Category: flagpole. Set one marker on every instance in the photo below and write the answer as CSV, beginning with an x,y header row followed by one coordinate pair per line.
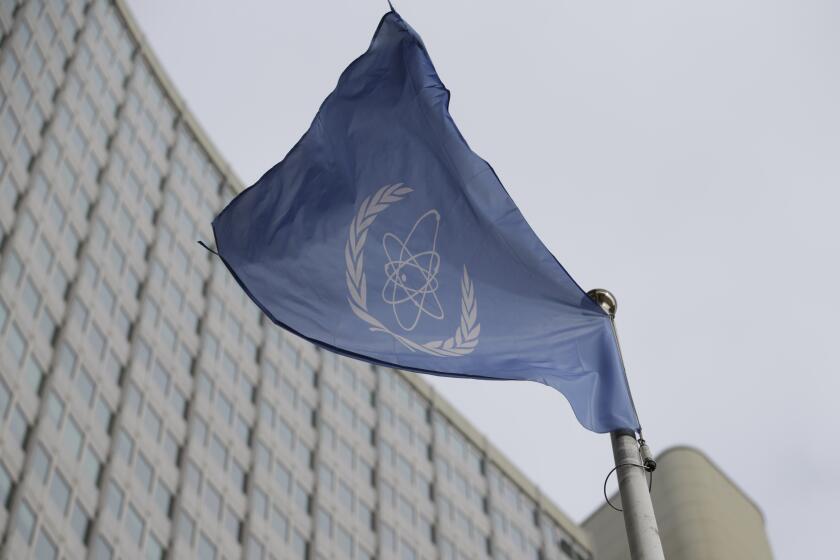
x,y
630,468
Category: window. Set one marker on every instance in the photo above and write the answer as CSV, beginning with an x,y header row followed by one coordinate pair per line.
x,y
11,125
255,549
80,521
199,431
365,514
143,470
55,408
206,549
9,195
163,497
18,426
186,526
12,269
324,523
85,385
103,413
170,447
300,545
218,451
46,325
237,475
60,492
102,549
279,523
193,477
125,445
325,477
387,538
285,432
5,484
301,497
72,437
154,550
30,297
153,422
233,524
115,499
45,548
346,453
134,523
224,407
96,340
386,492
178,401
407,551
25,522
345,541
243,430
133,399
303,453
260,503
40,463
44,254
161,377
365,471
213,500
282,476
16,344
345,495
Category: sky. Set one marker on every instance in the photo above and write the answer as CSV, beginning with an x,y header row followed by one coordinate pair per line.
x,y
684,155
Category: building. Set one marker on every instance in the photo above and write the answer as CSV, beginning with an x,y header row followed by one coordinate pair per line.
x,y
701,514
147,409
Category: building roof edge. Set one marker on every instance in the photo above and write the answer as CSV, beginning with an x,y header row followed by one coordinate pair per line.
x,y
171,91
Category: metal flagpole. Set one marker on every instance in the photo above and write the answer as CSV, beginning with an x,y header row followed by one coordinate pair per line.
x,y
632,460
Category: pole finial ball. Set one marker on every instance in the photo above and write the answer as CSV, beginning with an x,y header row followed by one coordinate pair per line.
x,y
605,299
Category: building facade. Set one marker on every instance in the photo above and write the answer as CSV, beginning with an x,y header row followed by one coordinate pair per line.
x,y
701,514
147,408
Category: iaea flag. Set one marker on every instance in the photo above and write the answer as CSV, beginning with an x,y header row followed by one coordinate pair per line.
x,y
382,236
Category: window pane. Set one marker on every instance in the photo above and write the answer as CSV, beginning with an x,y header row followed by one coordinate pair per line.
x,y
45,549
206,549
25,521
5,484
41,463
60,492
115,499
102,550
80,521
135,524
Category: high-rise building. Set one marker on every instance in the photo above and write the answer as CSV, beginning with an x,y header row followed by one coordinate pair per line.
x,y
701,514
147,408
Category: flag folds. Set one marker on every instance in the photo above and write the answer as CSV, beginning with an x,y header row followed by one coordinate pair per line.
x,y
382,236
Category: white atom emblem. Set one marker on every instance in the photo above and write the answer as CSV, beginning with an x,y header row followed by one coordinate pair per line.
x,y
412,270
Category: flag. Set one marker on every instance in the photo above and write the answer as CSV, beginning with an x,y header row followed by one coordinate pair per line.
x,y
382,236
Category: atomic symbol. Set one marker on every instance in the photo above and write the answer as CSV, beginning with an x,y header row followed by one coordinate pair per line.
x,y
411,285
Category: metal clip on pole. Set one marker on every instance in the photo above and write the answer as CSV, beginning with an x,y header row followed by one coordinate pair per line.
x,y
647,455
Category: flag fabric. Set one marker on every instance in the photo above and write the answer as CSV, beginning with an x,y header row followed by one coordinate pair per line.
x,y
382,236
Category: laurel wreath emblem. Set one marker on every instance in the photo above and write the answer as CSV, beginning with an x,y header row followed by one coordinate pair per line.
x,y
466,335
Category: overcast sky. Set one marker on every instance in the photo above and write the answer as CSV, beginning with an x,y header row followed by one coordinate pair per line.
x,y
685,155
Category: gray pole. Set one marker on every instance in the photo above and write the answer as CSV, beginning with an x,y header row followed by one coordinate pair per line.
x,y
639,520
630,468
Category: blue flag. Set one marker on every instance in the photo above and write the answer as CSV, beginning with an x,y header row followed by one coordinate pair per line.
x,y
382,236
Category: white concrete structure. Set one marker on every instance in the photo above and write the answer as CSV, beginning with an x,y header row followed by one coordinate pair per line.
x,y
147,409
701,513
